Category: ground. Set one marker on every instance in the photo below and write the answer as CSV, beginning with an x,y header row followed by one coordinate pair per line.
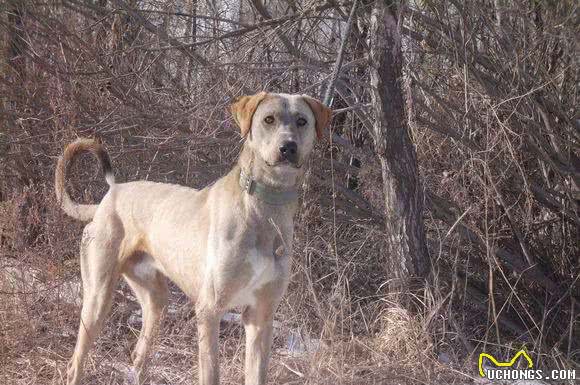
x,y
39,315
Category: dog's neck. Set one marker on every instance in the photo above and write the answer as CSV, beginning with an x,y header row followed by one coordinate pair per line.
x,y
267,184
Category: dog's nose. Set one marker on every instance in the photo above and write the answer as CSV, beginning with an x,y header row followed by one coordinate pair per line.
x,y
289,151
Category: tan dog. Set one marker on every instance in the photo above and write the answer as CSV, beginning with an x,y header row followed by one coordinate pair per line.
x,y
225,246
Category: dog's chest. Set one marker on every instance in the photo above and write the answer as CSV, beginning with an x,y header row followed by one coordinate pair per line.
x,y
257,270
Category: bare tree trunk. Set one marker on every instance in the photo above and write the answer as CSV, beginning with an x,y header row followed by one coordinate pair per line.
x,y
406,251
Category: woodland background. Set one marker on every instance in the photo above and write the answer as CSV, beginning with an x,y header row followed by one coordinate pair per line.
x,y
491,96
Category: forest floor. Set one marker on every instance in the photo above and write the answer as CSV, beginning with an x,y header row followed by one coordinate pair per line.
x,y
38,326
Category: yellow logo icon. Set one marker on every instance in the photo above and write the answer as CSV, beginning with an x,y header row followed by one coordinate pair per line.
x,y
504,364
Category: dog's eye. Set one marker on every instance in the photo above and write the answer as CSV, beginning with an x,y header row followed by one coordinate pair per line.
x,y
269,119
301,122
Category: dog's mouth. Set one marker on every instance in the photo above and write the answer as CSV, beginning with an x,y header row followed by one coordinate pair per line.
x,y
284,162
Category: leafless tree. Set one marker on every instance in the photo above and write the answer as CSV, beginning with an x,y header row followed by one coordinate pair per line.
x,y
406,251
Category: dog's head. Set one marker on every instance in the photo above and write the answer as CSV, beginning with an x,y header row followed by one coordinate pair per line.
x,y
281,128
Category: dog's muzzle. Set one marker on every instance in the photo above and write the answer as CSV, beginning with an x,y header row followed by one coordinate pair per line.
x,y
289,151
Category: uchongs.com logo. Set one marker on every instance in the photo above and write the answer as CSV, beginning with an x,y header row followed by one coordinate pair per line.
x,y
506,370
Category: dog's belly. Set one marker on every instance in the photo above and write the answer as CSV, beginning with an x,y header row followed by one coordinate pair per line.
x,y
262,270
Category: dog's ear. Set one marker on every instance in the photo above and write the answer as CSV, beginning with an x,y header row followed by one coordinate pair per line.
x,y
243,110
322,114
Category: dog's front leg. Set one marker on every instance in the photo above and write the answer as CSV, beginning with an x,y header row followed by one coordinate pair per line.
x,y
208,326
258,326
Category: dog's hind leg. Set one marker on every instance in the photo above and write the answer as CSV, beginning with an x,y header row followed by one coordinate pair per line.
x,y
100,274
150,288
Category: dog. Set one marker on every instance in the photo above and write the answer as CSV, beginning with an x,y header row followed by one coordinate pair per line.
x,y
225,246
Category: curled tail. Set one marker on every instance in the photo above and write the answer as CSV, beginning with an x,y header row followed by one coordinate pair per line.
x,y
78,211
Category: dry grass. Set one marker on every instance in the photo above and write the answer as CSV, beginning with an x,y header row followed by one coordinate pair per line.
x,y
39,330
